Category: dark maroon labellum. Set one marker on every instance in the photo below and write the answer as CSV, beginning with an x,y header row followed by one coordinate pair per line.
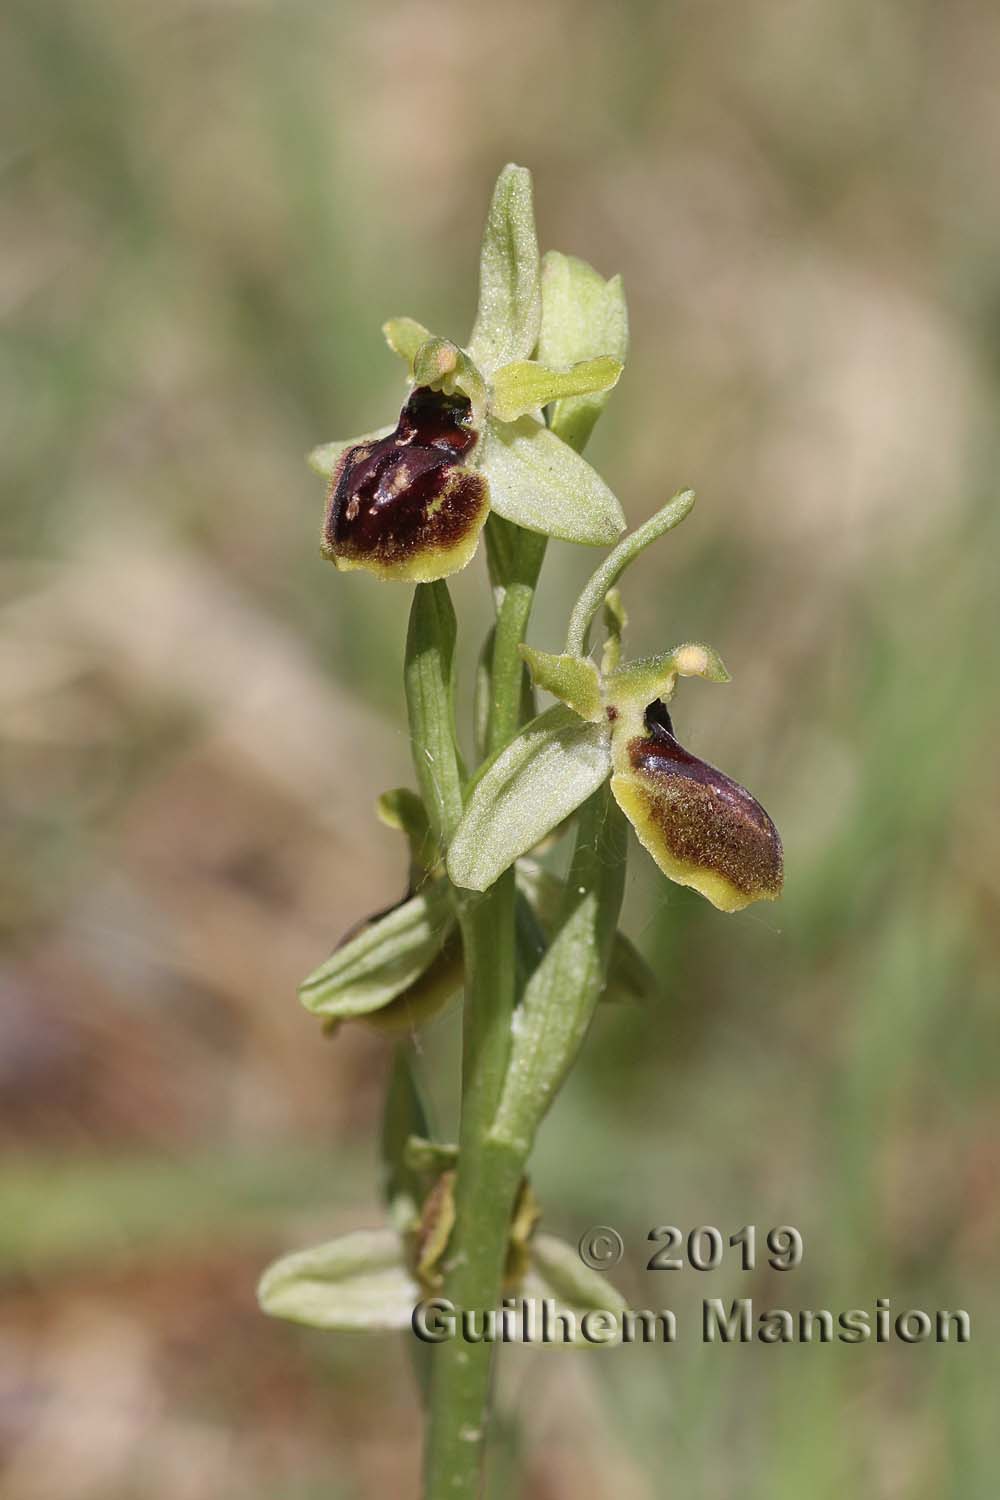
x,y
397,503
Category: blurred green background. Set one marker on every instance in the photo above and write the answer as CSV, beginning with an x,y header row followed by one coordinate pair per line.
x,y
209,207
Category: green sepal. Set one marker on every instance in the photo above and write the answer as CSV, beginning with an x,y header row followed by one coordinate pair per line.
x,y
656,676
324,459
531,786
404,337
540,483
358,1282
526,386
510,299
445,367
583,317
572,679
559,998
382,960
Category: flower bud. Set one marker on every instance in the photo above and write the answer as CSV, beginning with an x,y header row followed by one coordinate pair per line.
x,y
406,506
702,828
436,988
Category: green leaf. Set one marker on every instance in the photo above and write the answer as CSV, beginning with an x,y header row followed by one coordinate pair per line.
x,y
327,456
533,784
526,385
383,959
656,676
510,300
630,979
572,679
429,680
583,318
559,999
404,337
356,1282
538,482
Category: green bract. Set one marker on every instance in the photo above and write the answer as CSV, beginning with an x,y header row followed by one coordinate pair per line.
x,y
409,501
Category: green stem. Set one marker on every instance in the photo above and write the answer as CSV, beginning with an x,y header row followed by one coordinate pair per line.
x,y
611,569
515,564
489,1174
485,1191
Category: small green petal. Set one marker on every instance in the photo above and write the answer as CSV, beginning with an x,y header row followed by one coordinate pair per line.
x,y
404,337
510,300
526,386
538,482
656,676
324,459
533,784
583,316
573,679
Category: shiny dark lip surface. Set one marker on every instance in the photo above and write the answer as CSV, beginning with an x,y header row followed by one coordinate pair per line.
x,y
407,492
704,817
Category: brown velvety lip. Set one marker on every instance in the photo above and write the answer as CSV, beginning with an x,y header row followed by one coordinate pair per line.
x,y
704,817
407,493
